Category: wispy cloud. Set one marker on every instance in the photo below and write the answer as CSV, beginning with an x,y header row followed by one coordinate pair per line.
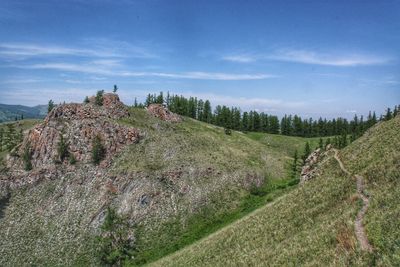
x,y
106,69
313,57
240,58
100,49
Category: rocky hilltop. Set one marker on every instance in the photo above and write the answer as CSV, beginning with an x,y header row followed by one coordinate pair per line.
x,y
78,125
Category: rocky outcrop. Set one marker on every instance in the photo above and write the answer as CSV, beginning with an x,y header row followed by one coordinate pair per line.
x,y
309,171
161,112
78,124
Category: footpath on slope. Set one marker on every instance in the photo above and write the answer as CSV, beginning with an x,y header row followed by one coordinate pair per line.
x,y
358,224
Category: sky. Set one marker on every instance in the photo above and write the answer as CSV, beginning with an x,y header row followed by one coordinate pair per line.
x,y
312,58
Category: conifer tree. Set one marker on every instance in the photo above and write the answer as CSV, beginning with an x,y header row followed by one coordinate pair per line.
x,y
388,114
99,98
321,143
160,98
98,150
294,164
62,148
327,142
307,152
50,106
135,103
207,114
86,100
27,158
115,88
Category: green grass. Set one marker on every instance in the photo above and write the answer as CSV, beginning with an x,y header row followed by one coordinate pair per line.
x,y
314,224
222,171
377,157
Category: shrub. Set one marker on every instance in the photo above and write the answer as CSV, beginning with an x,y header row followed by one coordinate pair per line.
x,y
27,157
98,150
72,159
228,131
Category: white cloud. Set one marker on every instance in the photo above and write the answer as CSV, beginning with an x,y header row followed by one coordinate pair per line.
x,y
100,49
351,111
240,58
312,57
104,69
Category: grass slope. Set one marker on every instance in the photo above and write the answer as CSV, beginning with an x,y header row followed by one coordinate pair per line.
x,y
314,223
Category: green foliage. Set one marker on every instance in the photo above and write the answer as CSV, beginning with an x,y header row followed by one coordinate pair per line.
x,y
27,158
72,159
10,137
307,152
98,150
50,106
99,98
228,131
294,165
115,88
115,244
62,148
86,100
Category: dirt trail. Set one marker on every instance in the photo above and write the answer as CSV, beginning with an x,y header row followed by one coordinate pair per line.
x,y
358,224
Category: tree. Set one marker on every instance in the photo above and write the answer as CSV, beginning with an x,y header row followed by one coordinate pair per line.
x,y
115,88
135,103
207,114
327,142
50,106
99,98
10,141
321,143
160,98
307,152
115,243
98,150
62,148
294,165
27,158
388,115
86,100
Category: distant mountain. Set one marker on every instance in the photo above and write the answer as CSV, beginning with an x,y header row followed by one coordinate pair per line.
x,y
11,112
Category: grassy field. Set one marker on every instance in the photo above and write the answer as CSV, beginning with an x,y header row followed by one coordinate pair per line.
x,y
313,224
231,175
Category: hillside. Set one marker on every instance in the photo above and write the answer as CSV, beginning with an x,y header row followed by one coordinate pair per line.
x,y
171,182
314,223
10,112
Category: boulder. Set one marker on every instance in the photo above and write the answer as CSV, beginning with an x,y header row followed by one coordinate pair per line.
x,y
161,112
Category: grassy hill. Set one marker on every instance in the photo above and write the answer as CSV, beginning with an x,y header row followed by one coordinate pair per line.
x,y
314,223
180,183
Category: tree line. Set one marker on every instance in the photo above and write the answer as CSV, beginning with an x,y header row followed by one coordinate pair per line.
x,y
291,125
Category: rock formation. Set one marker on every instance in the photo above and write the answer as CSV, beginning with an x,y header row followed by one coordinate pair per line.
x,y
78,124
309,171
159,111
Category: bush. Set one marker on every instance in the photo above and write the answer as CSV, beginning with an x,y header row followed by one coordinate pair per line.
x,y
98,150
27,157
228,131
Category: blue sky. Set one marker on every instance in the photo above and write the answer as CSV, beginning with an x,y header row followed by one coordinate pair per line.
x,y
313,58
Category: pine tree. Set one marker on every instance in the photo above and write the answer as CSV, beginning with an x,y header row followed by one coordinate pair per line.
x,y
307,152
135,103
160,98
27,158
62,148
50,106
99,98
86,100
321,143
207,114
327,142
10,137
98,150
115,88
388,115
294,165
